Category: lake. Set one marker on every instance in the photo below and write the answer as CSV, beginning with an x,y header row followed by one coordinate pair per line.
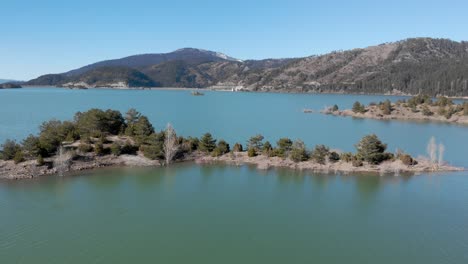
x,y
224,214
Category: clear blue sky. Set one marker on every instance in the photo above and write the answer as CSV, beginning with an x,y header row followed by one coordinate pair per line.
x,y
39,37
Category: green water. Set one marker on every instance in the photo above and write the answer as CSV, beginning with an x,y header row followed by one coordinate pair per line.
x,y
222,214
215,214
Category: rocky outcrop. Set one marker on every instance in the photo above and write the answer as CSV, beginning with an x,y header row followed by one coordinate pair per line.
x,y
30,169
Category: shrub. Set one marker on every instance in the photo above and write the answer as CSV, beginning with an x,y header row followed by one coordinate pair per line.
x,y
128,148
443,101
40,160
216,152
357,162
450,111
192,143
85,148
153,147
31,146
237,147
298,152
52,134
320,153
346,157
333,157
418,100
86,140
371,149
386,107
152,152
19,157
407,160
255,142
116,149
9,149
276,152
426,111
99,149
284,145
358,108
223,147
207,143
251,152
267,148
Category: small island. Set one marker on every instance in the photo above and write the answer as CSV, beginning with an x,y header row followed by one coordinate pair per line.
x,y
417,108
104,138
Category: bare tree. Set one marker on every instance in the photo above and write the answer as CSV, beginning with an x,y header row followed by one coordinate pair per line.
x,y
62,160
432,150
170,144
435,152
441,153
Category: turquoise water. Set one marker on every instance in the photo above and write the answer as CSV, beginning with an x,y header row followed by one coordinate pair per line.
x,y
222,214
231,116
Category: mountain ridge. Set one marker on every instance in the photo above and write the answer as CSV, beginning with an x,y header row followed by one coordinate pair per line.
x,y
410,66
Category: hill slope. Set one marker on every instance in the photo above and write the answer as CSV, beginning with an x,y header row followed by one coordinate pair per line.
x,y
434,66
412,66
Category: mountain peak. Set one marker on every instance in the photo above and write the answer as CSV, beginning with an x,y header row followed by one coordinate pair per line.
x,y
208,52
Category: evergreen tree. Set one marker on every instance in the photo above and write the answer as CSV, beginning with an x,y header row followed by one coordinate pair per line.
x,y
142,129
9,149
358,108
320,153
256,142
371,149
299,152
207,143
267,148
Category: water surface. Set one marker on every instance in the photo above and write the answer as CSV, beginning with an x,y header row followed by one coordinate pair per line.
x,y
217,214
222,214
231,116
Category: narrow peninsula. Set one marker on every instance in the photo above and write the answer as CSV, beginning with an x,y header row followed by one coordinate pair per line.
x,y
107,138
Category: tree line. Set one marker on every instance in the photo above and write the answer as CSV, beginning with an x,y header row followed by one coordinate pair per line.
x,y
93,128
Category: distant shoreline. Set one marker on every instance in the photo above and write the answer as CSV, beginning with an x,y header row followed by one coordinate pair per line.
x,y
279,91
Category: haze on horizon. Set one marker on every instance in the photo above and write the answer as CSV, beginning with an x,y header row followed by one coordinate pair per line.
x,y
40,37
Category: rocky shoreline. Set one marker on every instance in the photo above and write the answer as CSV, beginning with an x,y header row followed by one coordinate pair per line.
x,y
90,161
401,112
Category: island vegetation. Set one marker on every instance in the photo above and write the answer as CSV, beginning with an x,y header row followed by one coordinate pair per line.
x,y
420,107
100,138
